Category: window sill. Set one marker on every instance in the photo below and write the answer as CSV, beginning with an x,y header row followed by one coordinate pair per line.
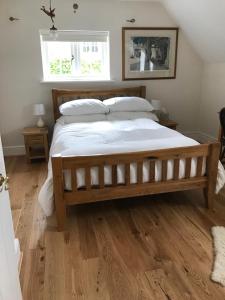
x,y
77,81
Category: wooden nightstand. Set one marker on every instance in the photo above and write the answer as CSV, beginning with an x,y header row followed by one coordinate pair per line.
x,y
36,143
169,123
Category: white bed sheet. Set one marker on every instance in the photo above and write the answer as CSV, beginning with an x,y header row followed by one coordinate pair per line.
x,y
107,137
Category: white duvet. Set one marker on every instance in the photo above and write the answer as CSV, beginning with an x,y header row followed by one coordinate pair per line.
x,y
107,137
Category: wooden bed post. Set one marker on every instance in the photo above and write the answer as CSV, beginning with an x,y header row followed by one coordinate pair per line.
x,y
212,170
58,191
55,104
143,91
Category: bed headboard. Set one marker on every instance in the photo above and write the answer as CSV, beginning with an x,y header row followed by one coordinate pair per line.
x,y
61,96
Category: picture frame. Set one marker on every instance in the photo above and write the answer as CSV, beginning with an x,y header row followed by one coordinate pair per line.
x,y
149,53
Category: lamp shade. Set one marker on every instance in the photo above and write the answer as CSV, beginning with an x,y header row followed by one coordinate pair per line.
x,y
156,104
39,110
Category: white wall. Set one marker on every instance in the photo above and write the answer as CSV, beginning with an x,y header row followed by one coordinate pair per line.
x,y
21,71
213,97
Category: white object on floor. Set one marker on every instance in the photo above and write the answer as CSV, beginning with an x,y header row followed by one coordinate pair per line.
x,y
218,274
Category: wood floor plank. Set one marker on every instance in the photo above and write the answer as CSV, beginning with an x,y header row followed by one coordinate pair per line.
x,y
179,252
167,283
127,245
88,280
18,172
145,292
54,280
118,277
196,265
33,286
16,216
88,243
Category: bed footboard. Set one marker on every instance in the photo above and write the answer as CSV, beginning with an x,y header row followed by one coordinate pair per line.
x,y
204,154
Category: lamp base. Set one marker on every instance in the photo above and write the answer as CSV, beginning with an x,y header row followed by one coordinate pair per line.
x,y
40,123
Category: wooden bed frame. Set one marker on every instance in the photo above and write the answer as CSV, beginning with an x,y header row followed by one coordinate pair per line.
x,y
102,192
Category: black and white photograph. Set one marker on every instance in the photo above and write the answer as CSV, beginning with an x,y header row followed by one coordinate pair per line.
x,y
149,53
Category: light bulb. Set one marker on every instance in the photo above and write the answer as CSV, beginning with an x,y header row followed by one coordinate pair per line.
x,y
53,33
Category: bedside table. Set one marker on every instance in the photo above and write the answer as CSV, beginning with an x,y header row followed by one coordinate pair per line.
x,y
169,123
36,143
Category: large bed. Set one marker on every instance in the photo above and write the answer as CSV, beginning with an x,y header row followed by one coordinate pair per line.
x,y
111,159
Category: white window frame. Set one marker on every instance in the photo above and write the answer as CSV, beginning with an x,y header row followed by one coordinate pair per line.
x,y
60,78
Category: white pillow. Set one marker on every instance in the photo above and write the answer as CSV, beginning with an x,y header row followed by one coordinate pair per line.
x,y
83,107
82,119
128,104
124,115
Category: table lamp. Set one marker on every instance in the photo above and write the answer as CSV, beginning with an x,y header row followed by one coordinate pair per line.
x,y
157,107
156,104
39,110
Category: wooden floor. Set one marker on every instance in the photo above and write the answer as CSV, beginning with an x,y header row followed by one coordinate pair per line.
x,y
157,248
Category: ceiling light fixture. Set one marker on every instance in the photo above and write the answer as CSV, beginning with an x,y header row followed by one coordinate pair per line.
x,y
51,14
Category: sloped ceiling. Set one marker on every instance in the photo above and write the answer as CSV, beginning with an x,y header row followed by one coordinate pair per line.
x,y
203,22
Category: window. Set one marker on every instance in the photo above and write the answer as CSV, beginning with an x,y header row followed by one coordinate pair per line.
x,y
75,55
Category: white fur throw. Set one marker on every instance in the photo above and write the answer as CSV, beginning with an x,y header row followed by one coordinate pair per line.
x,y
218,274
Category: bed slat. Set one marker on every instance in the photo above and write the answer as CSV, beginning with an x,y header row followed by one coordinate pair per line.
x,y
74,179
88,177
101,177
127,174
140,172
199,166
176,169
188,168
114,175
164,170
152,171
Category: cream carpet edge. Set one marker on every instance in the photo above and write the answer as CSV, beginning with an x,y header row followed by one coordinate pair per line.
x,y
218,273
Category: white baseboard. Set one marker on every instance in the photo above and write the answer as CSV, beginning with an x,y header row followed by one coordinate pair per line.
x,y
14,150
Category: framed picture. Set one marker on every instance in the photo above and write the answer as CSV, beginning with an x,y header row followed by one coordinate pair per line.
x,y
149,53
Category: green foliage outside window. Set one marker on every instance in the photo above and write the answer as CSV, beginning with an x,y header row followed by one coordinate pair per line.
x,y
60,66
93,67
64,67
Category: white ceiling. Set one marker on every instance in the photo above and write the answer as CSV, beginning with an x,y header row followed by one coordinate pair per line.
x,y
203,22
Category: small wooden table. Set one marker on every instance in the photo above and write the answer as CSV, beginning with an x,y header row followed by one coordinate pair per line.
x,y
169,123
36,143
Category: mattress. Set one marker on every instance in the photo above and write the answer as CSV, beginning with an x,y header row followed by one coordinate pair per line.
x,y
108,137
